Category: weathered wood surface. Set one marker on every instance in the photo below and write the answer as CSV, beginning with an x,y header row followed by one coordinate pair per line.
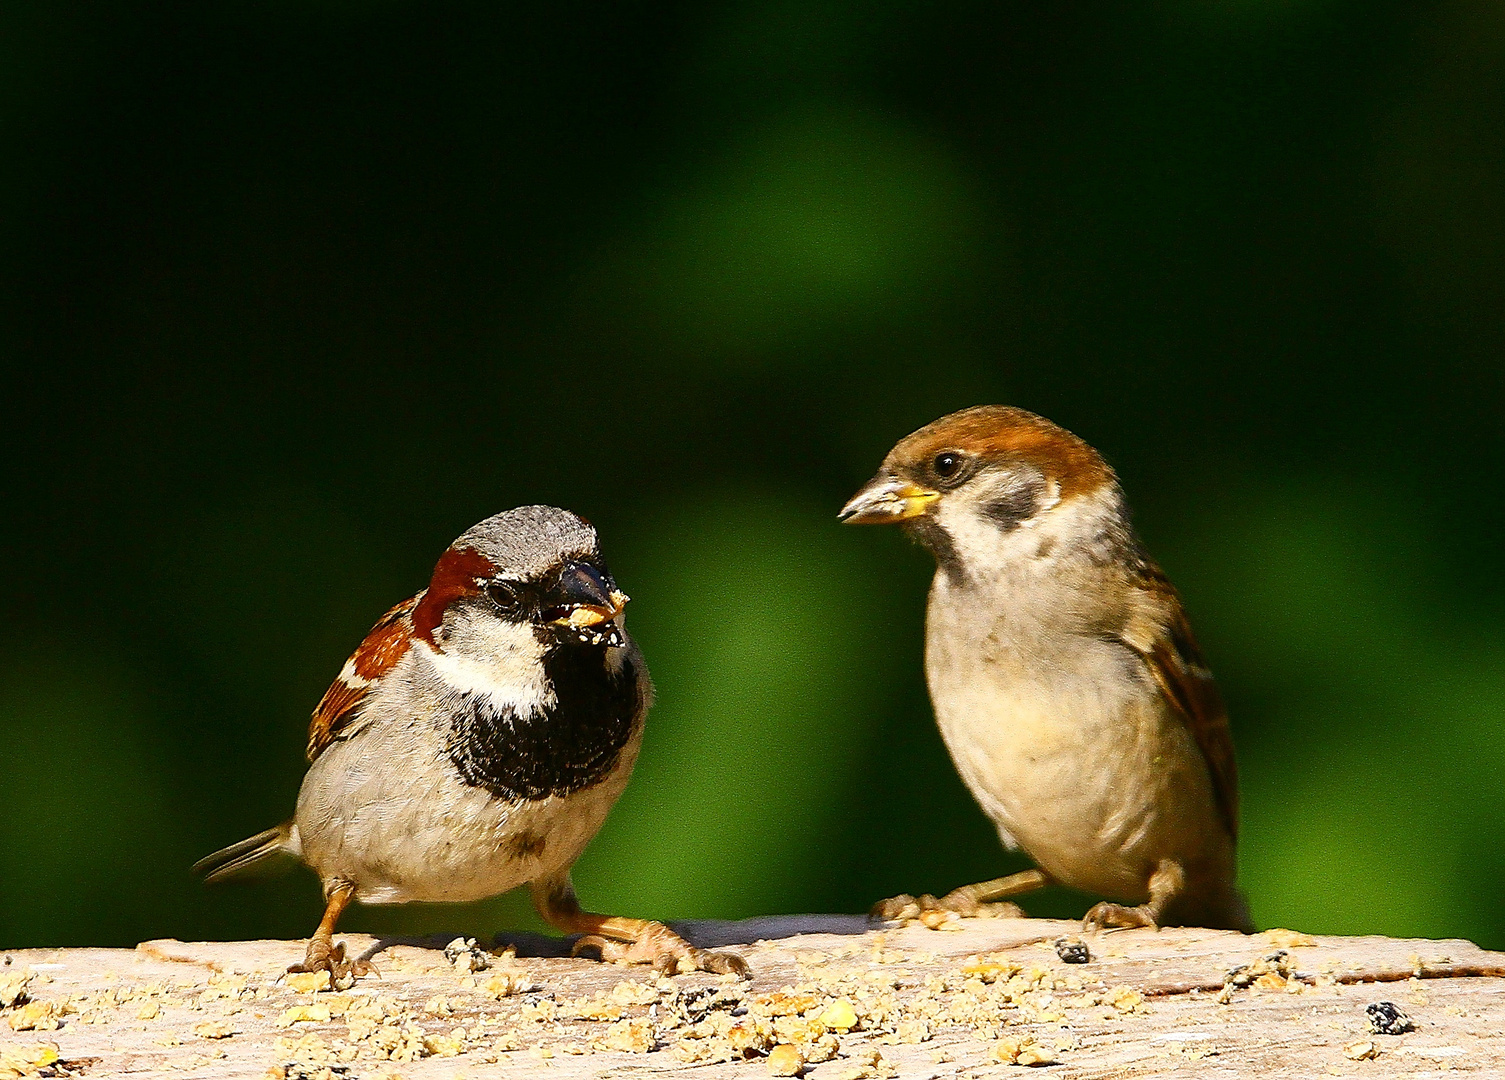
x,y
908,1002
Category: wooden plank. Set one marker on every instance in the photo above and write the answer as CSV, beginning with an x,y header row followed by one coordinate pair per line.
x,y
908,1001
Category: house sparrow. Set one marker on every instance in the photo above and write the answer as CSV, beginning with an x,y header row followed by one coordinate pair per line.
x,y
475,742
1065,678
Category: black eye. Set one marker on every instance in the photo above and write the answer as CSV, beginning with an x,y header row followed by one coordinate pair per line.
x,y
504,594
947,464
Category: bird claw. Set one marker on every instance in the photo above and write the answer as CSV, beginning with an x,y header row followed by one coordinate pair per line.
x,y
1110,916
968,908
717,963
931,912
899,908
669,953
322,955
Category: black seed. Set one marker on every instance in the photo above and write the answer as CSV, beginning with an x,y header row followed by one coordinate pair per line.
x,y
1386,1019
1072,950
694,1004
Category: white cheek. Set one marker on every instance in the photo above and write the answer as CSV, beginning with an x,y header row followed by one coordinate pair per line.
x,y
1061,527
981,541
499,659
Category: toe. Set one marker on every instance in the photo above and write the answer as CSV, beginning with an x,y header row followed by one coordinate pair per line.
x,y
961,905
1116,916
1002,910
685,959
605,949
318,957
1099,916
323,956
723,963
895,908
669,953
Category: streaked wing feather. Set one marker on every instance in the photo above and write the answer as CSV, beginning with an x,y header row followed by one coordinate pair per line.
x,y
1163,638
339,709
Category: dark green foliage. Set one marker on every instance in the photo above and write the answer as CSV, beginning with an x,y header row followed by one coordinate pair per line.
x,y
291,294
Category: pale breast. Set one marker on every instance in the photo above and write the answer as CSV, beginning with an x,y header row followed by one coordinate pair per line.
x,y
1063,741
387,812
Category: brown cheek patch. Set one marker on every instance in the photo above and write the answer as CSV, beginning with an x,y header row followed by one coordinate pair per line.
x,y
455,575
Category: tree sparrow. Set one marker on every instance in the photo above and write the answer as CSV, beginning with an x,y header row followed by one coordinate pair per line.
x,y
475,742
1065,678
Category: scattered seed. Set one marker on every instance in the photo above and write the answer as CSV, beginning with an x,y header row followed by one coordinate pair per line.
x,y
1072,950
1386,1019
785,1060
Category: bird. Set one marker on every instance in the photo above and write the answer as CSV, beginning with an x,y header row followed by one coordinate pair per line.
x,y
474,742
1064,676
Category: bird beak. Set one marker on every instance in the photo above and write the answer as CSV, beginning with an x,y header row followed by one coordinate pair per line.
x,y
585,599
887,500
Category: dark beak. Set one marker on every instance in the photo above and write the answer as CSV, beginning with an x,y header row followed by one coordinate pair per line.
x,y
584,602
583,585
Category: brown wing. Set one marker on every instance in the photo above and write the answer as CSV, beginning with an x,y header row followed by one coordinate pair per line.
x,y
340,706
1161,635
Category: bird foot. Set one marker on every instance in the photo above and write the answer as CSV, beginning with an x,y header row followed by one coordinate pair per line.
x,y
669,953
934,913
325,955
1108,916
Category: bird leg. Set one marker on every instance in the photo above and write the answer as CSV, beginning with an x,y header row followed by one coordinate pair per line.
x,y
969,901
630,941
323,954
1166,883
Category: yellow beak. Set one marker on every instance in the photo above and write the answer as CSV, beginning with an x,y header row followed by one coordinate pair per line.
x,y
887,500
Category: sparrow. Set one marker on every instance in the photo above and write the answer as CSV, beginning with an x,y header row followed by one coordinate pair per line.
x,y
1065,679
475,742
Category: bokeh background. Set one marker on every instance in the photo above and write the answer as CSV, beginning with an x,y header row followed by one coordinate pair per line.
x,y
295,292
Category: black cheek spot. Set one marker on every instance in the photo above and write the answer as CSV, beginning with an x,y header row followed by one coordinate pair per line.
x,y
1047,545
1017,504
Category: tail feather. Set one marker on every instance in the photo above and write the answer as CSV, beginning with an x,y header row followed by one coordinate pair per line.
x,y
249,854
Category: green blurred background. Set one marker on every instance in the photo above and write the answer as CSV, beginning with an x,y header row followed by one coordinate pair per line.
x,y
294,293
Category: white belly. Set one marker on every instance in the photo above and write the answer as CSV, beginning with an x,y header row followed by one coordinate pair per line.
x,y
387,812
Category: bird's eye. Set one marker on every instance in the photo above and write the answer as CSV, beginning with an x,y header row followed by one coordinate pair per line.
x,y
947,464
504,594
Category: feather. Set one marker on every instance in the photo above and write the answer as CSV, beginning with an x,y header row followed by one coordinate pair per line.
x,y
1162,637
339,709
248,854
